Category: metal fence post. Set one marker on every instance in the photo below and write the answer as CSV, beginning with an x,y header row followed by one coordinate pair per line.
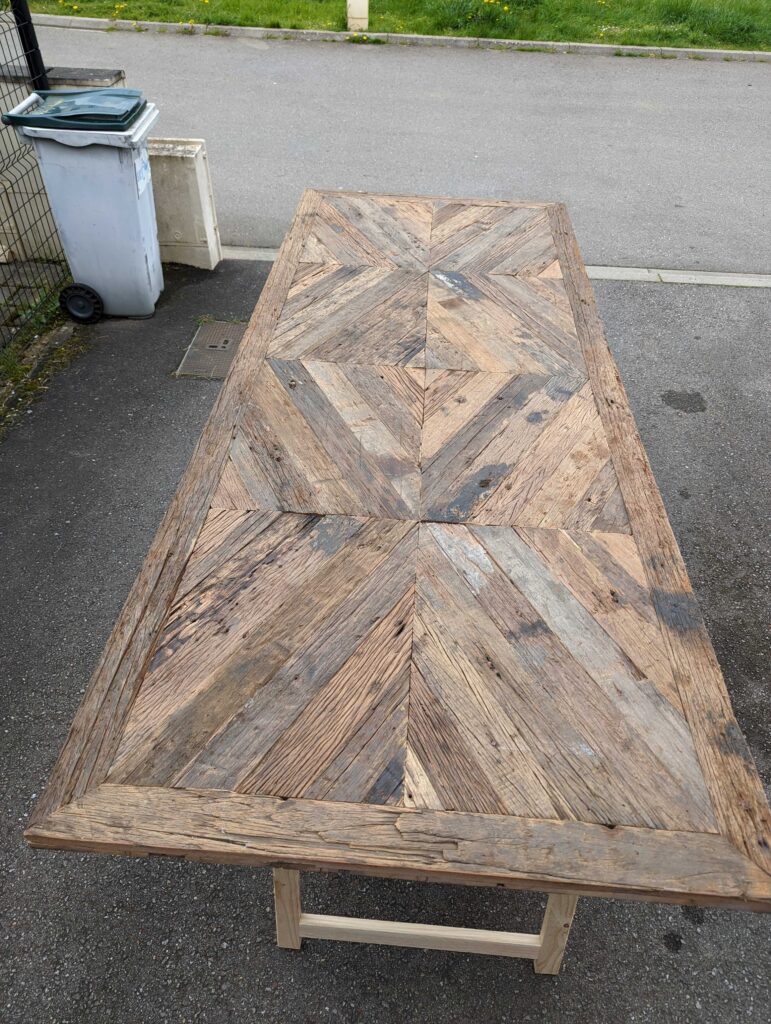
x,y
37,70
32,265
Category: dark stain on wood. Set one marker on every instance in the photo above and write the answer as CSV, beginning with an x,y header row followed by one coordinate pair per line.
x,y
680,611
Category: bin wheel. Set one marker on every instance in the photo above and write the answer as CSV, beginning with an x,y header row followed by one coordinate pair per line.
x,y
82,303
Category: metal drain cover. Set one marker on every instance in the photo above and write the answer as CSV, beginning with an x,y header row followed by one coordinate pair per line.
x,y
211,351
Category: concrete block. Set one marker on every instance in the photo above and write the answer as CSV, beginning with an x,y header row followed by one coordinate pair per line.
x,y
184,203
358,15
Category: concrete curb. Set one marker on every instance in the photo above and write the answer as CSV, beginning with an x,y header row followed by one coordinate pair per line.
x,y
465,42
716,278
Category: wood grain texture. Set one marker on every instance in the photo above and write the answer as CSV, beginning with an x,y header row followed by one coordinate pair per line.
x,y
525,450
416,609
491,239
604,573
554,933
286,899
420,936
500,324
729,771
354,315
288,648
398,842
379,231
524,704
332,438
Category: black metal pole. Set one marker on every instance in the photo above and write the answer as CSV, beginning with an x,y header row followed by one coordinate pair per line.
x,y
37,70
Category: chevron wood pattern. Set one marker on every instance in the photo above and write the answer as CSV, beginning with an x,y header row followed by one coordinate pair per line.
x,y
342,595
492,239
329,438
378,231
516,690
500,323
525,450
353,315
417,610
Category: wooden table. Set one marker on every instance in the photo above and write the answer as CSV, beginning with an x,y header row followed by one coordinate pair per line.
x,y
416,609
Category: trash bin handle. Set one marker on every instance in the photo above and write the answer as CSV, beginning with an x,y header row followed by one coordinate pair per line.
x,y
25,104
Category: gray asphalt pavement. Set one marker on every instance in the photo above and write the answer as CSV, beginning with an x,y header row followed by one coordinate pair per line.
x,y
660,161
84,480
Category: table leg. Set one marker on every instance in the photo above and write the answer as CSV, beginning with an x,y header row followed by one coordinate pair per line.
x,y
286,898
554,933
545,949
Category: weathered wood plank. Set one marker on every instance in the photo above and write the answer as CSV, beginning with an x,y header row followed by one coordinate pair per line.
x,y
331,438
437,740
226,538
353,315
611,595
440,200
316,598
474,324
380,231
581,710
525,450
315,738
726,762
355,772
472,849
489,240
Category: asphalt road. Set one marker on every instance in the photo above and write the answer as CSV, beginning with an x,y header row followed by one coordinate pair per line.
x,y
84,480
660,161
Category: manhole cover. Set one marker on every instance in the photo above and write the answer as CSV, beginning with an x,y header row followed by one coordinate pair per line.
x,y
211,350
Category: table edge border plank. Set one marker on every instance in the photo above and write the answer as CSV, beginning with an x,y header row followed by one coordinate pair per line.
x,y
731,777
464,201
400,842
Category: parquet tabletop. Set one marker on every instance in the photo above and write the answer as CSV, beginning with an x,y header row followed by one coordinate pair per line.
x,y
416,609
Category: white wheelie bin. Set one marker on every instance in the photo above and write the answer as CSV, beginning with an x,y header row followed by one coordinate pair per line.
x,y
92,149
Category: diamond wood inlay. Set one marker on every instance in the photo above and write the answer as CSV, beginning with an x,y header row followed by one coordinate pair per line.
x,y
416,609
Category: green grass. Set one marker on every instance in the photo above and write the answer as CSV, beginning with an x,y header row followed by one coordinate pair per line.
x,y
725,24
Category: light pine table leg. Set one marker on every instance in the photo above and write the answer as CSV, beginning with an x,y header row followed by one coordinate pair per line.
x,y
554,933
286,897
545,949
